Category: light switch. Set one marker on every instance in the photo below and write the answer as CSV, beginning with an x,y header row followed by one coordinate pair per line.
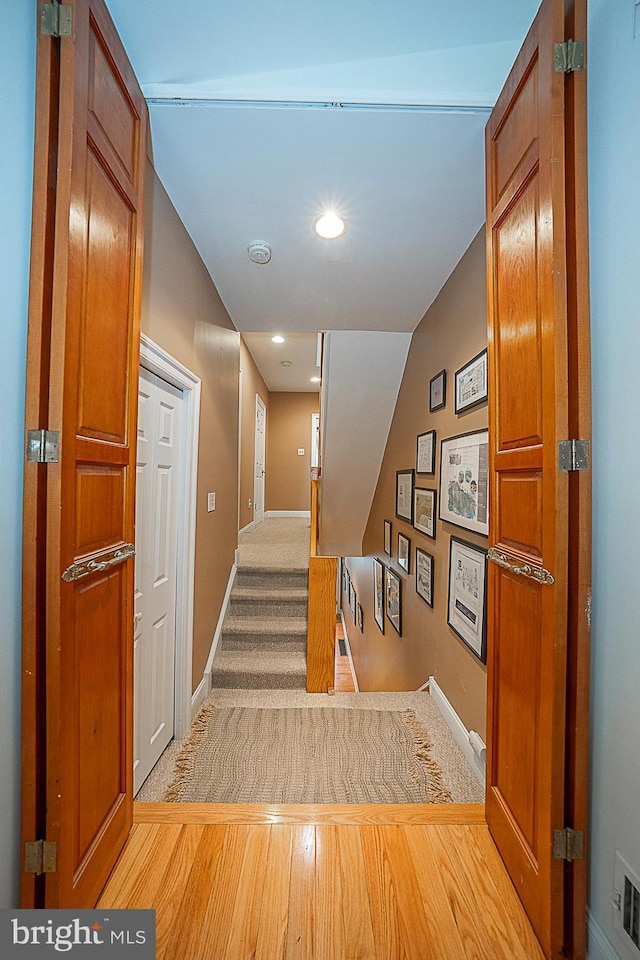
x,y
301,451
211,502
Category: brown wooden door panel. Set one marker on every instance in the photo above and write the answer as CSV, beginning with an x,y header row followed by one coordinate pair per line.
x,y
529,268
90,381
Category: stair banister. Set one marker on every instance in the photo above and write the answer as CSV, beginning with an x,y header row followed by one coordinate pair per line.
x,y
321,622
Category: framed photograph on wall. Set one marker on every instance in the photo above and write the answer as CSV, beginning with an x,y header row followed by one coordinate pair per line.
x,y
426,452
471,383
360,618
378,593
352,602
424,575
404,495
393,600
404,552
387,537
424,511
464,481
467,593
438,391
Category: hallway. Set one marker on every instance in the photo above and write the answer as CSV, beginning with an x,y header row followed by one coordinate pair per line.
x,y
344,882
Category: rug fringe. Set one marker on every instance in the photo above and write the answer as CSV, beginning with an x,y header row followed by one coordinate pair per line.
x,y
185,760
437,792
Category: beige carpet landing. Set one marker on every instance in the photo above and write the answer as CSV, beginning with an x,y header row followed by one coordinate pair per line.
x,y
307,755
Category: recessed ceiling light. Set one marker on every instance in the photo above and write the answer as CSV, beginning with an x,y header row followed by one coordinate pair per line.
x,y
330,226
315,379
278,339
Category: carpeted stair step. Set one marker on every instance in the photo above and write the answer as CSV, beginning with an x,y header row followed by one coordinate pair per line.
x,y
269,602
271,577
257,633
237,670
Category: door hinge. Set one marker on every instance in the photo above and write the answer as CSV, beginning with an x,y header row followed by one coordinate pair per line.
x,y
56,19
568,844
573,455
43,446
568,57
40,856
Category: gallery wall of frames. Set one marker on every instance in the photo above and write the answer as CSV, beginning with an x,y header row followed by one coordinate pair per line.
x,y
414,604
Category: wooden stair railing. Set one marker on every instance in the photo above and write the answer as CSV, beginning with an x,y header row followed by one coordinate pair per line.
x,y
321,622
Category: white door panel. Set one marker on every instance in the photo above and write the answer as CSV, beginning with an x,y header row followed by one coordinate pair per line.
x,y
158,465
259,473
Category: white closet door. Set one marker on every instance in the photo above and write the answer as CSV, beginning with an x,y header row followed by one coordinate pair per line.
x,y
158,483
260,447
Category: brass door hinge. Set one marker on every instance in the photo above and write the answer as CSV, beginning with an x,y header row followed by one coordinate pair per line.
x,y
40,856
56,19
568,844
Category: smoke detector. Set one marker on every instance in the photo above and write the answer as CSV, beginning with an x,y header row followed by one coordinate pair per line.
x,y
259,251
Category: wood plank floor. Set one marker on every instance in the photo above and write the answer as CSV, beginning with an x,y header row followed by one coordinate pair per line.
x,y
343,675
321,882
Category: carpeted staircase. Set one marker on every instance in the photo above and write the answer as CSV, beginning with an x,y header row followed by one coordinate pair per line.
x,y
264,635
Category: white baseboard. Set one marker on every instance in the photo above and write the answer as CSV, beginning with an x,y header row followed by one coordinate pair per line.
x,y
288,513
599,947
348,646
199,696
425,686
206,677
458,729
248,527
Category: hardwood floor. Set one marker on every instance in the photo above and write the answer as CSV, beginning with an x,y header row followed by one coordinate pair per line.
x,y
343,676
321,882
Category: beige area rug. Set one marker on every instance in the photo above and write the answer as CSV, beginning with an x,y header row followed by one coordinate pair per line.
x,y
299,755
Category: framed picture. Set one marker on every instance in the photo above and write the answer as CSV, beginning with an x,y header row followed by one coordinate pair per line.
x,y
438,391
360,618
393,599
464,481
345,582
387,537
352,602
404,552
424,511
471,383
467,590
426,452
378,593
424,575
404,495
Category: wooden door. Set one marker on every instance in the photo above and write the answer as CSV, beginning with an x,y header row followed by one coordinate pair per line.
x,y
538,582
79,517
260,446
158,482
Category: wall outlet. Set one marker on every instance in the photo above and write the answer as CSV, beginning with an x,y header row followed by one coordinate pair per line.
x,y
301,451
211,502
626,907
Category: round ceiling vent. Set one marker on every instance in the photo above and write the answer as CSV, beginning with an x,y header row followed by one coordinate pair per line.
x,y
259,251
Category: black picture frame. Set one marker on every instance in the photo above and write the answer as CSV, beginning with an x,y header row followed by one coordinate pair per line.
x,y
426,452
386,546
404,552
464,481
424,505
352,602
424,575
378,593
393,599
467,599
405,480
438,391
360,617
471,383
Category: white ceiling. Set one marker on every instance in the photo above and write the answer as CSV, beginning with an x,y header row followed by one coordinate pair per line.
x,y
263,113
298,352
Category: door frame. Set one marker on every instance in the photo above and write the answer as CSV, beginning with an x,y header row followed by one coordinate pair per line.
x,y
158,361
259,401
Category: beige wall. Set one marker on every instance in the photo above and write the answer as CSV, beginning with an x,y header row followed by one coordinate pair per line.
x,y
289,429
252,383
453,331
182,312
